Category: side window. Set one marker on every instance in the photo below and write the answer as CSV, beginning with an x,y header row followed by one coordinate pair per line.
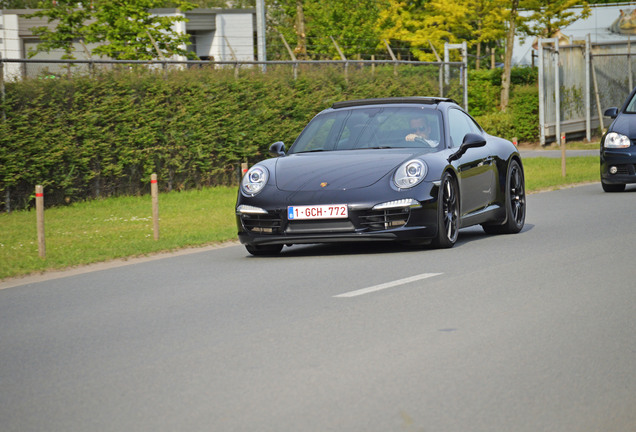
x,y
460,124
631,107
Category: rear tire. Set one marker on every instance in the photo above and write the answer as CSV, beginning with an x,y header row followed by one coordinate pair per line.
x,y
608,187
515,202
447,213
264,250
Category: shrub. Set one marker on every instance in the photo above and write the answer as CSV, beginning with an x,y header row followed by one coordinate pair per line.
x,y
521,120
87,137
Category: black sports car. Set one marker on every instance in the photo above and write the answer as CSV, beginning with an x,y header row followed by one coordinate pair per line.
x,y
618,154
410,169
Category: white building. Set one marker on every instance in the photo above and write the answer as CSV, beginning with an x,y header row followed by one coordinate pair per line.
x,y
215,34
606,23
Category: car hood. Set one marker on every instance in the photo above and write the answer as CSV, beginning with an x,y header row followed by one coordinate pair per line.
x,y
339,170
626,125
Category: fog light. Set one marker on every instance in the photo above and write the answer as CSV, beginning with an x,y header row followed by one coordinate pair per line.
x,y
613,170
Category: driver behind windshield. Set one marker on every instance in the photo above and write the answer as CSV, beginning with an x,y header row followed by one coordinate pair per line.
x,y
421,131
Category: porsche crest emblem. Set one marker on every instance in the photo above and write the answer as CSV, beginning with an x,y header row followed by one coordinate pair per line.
x,y
323,184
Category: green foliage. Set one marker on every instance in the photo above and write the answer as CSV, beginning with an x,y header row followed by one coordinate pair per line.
x,y
484,86
523,75
423,24
133,33
124,30
83,137
70,17
351,24
521,120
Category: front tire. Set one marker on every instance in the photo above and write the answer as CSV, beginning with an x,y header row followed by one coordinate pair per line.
x,y
447,213
515,202
608,187
264,250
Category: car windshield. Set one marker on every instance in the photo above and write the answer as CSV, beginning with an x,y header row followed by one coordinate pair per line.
x,y
372,127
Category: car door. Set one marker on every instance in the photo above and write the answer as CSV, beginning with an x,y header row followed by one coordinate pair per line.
x,y
476,167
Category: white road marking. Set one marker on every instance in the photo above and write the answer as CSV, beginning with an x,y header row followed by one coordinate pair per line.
x,y
388,285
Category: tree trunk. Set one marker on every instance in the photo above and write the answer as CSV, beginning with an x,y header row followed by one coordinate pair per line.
x,y
478,61
301,45
510,39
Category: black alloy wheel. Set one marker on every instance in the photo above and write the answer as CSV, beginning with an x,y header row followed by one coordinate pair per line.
x,y
447,213
515,202
263,250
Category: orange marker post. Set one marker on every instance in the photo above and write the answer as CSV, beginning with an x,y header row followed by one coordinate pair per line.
x,y
563,156
39,211
154,192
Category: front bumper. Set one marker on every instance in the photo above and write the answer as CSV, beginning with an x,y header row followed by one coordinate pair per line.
x,y
363,223
624,163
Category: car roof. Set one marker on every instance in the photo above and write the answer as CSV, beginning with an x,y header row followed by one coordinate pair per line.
x,y
393,100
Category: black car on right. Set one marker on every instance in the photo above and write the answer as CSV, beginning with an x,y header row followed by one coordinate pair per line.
x,y
618,152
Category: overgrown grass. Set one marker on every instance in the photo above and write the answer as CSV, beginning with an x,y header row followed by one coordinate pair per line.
x,y
105,229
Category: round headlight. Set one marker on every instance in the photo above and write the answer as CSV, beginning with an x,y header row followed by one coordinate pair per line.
x,y
616,140
410,174
254,180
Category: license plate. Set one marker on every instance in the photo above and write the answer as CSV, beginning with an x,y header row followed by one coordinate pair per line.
x,y
331,211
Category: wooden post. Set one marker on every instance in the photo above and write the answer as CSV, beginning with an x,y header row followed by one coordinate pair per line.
x,y
39,210
563,155
243,169
154,192
388,47
342,57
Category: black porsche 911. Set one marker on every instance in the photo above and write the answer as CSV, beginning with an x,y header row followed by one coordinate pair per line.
x,y
412,169
618,155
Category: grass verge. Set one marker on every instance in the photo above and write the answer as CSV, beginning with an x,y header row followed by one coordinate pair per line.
x,y
112,228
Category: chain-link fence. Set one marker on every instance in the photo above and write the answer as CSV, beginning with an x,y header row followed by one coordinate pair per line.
x,y
450,76
590,77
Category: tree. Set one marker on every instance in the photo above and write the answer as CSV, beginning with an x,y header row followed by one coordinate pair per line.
x,y
69,17
309,24
489,22
399,22
133,33
351,24
548,16
123,29
428,25
510,38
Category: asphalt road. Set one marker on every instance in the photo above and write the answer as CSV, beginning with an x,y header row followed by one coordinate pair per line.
x,y
527,332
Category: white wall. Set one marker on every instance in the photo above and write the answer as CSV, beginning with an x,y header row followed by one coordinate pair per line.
x,y
10,46
238,29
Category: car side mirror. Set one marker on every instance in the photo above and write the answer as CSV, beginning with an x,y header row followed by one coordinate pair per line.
x,y
611,112
471,140
277,149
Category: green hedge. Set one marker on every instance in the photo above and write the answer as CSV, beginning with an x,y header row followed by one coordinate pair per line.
x,y
521,119
85,137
